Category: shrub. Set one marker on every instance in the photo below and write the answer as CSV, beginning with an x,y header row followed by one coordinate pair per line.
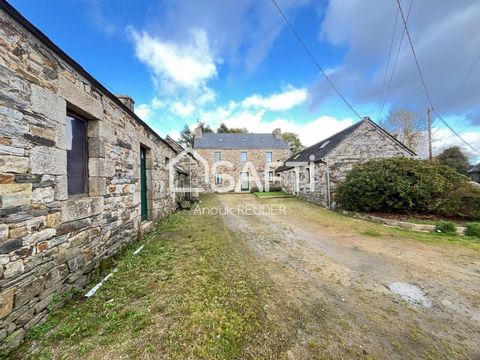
x,y
396,185
463,201
473,230
254,189
445,227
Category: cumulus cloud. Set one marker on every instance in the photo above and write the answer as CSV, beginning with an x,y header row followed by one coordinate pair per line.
x,y
143,111
177,66
280,101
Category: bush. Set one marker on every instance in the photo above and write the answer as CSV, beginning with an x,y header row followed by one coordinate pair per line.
x,y
463,202
446,227
397,185
254,189
473,230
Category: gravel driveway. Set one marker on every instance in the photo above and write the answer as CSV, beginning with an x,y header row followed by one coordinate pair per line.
x,y
336,272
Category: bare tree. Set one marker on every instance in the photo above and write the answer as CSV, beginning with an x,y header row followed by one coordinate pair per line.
x,y
408,127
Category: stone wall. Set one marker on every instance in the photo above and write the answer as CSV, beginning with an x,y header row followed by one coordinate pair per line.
x,y
50,242
256,162
367,142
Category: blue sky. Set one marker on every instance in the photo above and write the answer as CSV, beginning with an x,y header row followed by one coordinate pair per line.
x,y
237,62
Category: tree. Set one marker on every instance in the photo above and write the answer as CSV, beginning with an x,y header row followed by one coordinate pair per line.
x,y
408,127
186,137
293,141
225,129
454,158
205,128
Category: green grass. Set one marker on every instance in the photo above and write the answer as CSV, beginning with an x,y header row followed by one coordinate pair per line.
x,y
272,194
191,293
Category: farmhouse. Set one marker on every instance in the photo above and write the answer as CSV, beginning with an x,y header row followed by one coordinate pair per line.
x,y
314,172
241,162
474,173
80,173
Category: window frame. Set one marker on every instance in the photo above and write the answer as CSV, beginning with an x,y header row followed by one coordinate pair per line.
x,y
215,153
270,176
86,189
266,156
246,157
218,179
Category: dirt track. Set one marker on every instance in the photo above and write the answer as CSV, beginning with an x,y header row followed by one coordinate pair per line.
x,y
336,278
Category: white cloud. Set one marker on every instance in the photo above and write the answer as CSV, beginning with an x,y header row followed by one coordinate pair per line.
x,y
143,111
177,66
182,109
281,101
444,138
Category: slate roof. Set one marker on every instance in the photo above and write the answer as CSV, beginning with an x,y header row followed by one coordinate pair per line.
x,y
324,147
239,141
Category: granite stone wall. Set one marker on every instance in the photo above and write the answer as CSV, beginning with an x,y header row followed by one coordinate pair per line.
x,y
257,164
367,142
50,242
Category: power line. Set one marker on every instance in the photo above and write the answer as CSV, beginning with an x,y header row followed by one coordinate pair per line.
x,y
388,64
313,59
395,62
423,81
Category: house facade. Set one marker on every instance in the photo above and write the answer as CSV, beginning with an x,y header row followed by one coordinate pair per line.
x,y
241,162
474,173
80,174
314,173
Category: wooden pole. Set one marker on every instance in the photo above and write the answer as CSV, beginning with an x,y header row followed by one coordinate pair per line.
x,y
429,134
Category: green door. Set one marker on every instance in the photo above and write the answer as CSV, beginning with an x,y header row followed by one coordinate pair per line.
x,y
143,184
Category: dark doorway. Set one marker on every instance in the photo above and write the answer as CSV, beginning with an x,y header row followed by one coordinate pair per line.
x,y
143,184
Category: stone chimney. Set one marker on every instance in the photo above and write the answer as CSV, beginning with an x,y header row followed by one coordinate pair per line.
x,y
197,133
277,133
127,101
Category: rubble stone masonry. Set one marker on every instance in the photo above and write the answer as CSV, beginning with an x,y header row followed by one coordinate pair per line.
x,y
50,241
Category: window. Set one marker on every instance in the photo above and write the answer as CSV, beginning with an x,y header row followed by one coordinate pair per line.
x,y
167,160
307,175
268,156
218,179
243,157
270,176
77,168
217,156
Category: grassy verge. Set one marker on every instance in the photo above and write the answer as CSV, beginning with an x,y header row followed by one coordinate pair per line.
x,y
270,194
192,292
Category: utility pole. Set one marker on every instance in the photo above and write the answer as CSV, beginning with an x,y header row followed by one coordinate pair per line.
x,y
429,134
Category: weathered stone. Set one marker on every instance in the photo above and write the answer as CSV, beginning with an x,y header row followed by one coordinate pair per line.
x,y
57,240
43,304
27,178
75,263
14,339
75,209
6,302
23,252
52,220
14,164
16,232
13,268
61,188
36,224
48,104
48,160
38,140
15,195
10,150
65,228
101,167
7,178
97,186
3,334
4,259
9,246
42,246
28,290
12,126
25,318
96,148
76,96
3,232
42,132
36,237
43,195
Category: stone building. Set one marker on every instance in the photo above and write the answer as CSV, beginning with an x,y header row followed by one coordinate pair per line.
x,y
474,173
241,162
80,174
314,172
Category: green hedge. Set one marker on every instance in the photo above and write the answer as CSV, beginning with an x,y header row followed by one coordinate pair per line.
x,y
408,185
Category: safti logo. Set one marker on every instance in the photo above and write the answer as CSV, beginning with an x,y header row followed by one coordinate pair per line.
x,y
224,169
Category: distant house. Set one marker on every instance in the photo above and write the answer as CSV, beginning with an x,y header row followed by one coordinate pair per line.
x,y
241,157
474,173
314,172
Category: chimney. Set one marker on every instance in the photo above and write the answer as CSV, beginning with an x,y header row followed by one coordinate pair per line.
x,y
127,101
278,133
197,133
